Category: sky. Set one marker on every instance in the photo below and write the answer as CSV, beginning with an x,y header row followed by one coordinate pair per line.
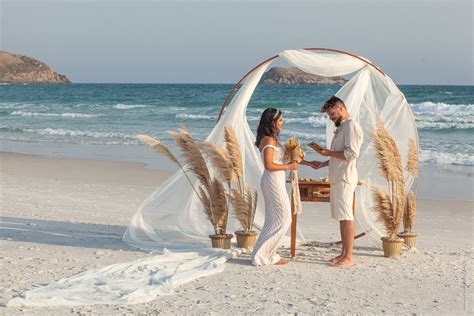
x,y
105,41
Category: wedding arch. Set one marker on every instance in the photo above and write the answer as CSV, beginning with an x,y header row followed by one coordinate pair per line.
x,y
172,215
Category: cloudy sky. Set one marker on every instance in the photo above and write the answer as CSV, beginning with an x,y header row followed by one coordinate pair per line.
x,y
415,42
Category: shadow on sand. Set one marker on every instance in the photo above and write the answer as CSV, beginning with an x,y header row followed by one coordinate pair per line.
x,y
63,233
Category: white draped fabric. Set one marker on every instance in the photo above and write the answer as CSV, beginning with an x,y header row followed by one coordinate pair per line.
x,y
368,95
139,281
322,64
172,216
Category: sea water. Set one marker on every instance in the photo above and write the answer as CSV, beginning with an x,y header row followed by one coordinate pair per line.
x,y
111,115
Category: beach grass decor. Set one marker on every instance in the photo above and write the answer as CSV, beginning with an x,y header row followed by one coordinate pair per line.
x,y
213,194
390,206
243,198
410,208
244,207
210,190
233,150
160,148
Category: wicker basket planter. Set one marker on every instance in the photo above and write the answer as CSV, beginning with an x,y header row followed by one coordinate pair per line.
x,y
410,239
246,239
392,247
221,241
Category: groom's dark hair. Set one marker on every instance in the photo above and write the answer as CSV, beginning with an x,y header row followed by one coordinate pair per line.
x,y
332,102
267,127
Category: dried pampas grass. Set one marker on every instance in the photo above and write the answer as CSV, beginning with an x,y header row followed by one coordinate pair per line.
x,y
160,148
251,198
244,207
221,161
211,191
206,203
410,213
193,156
386,212
387,152
412,161
157,146
220,206
240,208
243,200
233,148
412,168
390,164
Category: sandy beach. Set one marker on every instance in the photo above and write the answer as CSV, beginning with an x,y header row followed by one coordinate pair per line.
x,y
63,216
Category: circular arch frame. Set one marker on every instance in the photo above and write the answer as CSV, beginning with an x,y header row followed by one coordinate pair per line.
x,y
276,56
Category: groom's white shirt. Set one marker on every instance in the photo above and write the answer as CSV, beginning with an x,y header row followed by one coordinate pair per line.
x,y
347,138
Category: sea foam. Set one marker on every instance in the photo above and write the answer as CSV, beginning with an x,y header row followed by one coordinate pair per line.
x,y
68,115
446,158
196,116
66,132
121,106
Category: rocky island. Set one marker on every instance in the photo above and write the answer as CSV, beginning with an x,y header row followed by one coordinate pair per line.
x,y
23,69
294,76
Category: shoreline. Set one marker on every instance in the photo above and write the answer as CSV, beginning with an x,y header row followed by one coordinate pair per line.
x,y
60,217
436,181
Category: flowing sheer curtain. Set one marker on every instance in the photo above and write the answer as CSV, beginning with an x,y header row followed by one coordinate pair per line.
x,y
172,216
368,95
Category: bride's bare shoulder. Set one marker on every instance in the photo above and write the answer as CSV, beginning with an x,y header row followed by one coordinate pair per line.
x,y
266,140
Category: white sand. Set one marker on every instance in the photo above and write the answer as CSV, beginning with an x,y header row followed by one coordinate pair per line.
x,y
61,217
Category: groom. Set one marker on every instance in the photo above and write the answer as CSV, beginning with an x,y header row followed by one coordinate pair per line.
x,y
344,151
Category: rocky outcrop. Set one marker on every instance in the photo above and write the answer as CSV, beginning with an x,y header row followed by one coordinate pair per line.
x,y
23,69
293,76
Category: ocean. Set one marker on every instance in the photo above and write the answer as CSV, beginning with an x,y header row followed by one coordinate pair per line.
x,y
102,120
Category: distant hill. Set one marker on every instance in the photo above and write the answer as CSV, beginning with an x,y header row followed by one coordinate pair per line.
x,y
23,69
294,76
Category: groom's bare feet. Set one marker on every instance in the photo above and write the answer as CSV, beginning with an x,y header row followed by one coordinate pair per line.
x,y
336,259
343,262
281,262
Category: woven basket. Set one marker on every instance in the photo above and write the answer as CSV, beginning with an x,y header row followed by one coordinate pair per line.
x,y
392,248
221,241
410,239
246,239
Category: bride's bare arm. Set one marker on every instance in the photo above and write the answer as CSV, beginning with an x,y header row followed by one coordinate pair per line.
x,y
270,166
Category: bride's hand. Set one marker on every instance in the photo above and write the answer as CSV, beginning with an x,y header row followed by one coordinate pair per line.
x,y
316,164
293,166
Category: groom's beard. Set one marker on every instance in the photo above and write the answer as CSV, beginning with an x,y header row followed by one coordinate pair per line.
x,y
338,122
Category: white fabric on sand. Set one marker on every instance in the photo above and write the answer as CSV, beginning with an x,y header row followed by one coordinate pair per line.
x,y
134,282
277,212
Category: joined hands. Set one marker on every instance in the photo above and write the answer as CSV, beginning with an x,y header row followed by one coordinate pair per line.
x,y
316,164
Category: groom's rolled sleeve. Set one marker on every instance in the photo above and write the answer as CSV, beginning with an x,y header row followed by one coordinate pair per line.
x,y
349,154
352,142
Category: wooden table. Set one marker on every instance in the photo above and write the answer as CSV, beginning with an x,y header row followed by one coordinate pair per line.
x,y
308,194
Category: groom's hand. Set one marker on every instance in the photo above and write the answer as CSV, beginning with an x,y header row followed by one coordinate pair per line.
x,y
325,152
316,164
315,147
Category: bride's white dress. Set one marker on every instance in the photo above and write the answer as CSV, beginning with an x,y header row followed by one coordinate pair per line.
x,y
277,212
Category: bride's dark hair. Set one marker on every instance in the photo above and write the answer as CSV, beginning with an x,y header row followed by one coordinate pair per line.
x,y
267,127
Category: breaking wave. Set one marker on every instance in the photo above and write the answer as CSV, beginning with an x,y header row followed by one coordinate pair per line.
x,y
68,115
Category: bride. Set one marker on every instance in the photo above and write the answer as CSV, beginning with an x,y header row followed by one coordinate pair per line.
x,y
277,202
